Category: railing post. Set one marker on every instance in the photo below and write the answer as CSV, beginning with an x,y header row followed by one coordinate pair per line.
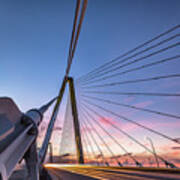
x,y
79,148
31,159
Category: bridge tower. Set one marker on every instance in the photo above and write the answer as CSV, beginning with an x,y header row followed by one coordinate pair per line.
x,y
78,141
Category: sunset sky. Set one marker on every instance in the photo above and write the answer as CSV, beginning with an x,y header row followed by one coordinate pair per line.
x,y
34,44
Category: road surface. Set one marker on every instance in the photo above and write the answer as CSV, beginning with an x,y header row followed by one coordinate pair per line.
x,y
76,172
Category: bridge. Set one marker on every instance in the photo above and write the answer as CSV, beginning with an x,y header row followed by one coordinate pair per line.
x,y
120,122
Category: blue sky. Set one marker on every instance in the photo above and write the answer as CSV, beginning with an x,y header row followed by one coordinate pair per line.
x,y
35,38
34,42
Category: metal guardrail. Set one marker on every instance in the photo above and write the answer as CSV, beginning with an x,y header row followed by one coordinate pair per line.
x,y
18,133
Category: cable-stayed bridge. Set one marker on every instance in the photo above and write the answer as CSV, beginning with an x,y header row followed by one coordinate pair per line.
x,y
121,119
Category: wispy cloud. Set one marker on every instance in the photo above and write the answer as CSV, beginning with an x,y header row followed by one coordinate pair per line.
x,y
106,120
129,99
143,104
86,129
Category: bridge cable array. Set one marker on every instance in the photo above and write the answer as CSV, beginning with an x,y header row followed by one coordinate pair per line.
x,y
95,142
108,134
103,142
117,61
133,107
88,142
155,78
136,68
131,137
162,53
132,93
133,122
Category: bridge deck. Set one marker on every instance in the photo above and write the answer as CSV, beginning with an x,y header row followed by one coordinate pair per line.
x,y
110,173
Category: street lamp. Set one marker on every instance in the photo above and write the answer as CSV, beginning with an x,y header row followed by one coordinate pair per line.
x,y
51,152
154,152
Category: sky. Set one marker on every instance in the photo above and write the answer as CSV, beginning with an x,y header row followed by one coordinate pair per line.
x,y
34,42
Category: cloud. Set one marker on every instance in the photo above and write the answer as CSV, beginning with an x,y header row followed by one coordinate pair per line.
x,y
164,124
176,148
129,127
174,99
107,122
170,84
131,112
143,104
150,123
86,129
129,99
